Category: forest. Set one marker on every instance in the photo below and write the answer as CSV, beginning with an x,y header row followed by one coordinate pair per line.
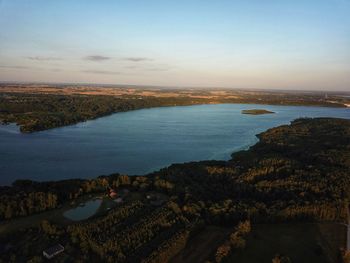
x,y
295,173
36,112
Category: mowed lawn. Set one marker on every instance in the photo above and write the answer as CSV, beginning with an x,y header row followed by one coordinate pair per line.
x,y
309,242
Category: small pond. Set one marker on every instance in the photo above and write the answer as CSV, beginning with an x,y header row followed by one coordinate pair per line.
x,y
83,211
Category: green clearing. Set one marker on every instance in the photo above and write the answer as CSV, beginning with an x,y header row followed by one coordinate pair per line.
x,y
201,246
301,242
54,216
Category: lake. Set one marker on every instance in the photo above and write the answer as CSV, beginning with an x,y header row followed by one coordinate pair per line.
x,y
138,142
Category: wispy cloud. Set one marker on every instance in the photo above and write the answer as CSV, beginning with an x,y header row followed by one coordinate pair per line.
x,y
56,70
104,72
96,58
149,68
14,67
103,58
160,68
30,68
132,67
38,58
137,59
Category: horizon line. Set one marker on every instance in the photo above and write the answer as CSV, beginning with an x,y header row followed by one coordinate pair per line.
x,y
120,85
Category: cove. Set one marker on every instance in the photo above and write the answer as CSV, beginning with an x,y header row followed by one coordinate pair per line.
x,y
142,141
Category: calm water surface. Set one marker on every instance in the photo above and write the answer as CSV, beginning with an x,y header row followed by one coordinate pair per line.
x,y
142,141
83,211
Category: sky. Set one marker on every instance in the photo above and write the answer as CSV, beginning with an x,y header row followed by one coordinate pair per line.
x,y
270,44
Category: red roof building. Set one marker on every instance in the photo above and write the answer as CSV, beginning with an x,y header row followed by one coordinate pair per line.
x,y
113,193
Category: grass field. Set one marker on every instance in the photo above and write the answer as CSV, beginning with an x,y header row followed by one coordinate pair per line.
x,y
203,245
56,215
307,243
302,243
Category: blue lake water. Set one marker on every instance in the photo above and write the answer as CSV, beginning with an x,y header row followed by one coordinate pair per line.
x,y
138,142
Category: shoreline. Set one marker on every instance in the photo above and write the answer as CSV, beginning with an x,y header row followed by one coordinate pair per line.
x,y
36,108
16,132
180,191
167,106
166,166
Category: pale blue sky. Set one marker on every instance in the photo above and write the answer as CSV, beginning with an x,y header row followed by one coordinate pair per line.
x,y
296,44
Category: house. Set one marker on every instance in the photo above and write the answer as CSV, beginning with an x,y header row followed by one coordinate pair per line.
x,y
53,251
113,193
